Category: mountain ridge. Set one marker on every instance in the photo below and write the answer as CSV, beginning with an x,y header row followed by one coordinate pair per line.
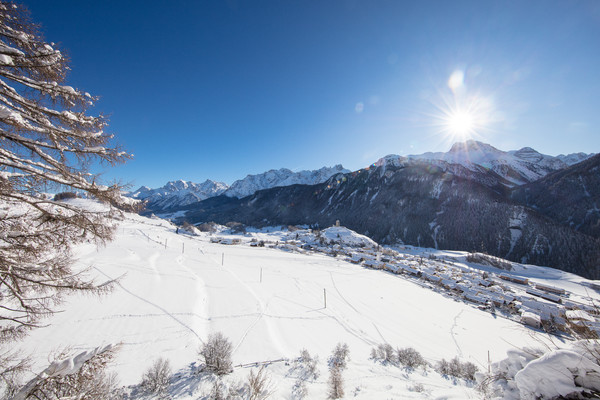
x,y
444,206
516,167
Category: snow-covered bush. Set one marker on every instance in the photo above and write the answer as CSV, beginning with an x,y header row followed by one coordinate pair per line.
x,y
340,356
79,377
305,366
157,378
385,353
259,385
457,369
410,358
572,372
217,354
417,387
299,390
218,390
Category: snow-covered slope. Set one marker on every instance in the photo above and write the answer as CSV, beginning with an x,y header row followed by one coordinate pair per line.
x,y
517,166
179,193
281,177
174,290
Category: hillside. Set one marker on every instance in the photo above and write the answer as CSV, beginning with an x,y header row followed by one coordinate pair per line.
x,y
175,289
570,196
445,206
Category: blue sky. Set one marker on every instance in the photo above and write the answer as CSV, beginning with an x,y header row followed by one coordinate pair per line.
x,y
222,89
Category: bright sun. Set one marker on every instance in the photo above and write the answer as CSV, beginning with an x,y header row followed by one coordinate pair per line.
x,y
460,123
462,114
463,119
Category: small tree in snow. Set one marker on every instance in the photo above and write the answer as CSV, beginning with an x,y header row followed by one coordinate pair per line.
x,y
157,378
217,354
384,352
410,358
337,363
259,386
335,384
340,356
457,369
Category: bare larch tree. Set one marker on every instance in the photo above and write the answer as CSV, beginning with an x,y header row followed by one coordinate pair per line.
x,y
48,141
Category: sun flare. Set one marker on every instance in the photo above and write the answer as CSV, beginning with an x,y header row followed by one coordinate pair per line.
x,y
462,113
463,118
460,123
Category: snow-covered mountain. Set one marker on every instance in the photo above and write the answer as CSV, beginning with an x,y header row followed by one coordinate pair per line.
x,y
178,193
281,177
517,166
183,193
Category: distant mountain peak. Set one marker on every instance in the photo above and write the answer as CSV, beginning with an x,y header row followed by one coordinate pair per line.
x,y
178,193
516,166
473,145
181,193
281,177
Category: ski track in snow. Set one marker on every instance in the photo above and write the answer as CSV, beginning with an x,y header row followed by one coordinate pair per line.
x,y
454,326
342,296
165,311
363,336
274,334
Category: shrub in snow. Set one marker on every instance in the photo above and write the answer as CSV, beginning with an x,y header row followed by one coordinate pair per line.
x,y
410,358
259,386
457,369
306,366
217,354
417,387
469,370
299,390
385,353
340,356
218,390
157,378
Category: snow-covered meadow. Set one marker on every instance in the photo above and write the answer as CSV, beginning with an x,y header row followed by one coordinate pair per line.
x,y
175,289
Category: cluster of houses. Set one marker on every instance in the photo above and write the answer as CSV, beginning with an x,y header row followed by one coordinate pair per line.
x,y
534,304
537,305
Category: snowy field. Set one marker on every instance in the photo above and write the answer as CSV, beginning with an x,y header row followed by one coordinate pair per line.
x,y
175,289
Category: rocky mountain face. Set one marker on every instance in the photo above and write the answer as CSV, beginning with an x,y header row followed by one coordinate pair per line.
x,y
281,177
418,202
570,196
178,194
